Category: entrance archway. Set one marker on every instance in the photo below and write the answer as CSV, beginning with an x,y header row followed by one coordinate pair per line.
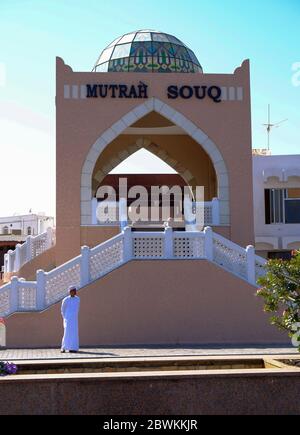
x,y
153,105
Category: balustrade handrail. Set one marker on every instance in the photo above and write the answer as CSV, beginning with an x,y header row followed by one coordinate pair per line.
x,y
211,212
107,243
31,248
63,267
229,244
95,263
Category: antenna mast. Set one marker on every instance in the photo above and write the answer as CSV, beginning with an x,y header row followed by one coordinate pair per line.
x,y
269,126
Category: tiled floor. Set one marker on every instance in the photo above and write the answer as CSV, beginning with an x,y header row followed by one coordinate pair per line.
x,y
140,352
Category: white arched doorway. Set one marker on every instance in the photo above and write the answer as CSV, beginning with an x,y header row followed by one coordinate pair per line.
x,y
178,119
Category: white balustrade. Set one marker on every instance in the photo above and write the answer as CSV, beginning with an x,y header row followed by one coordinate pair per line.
x,y
106,257
116,214
215,205
230,256
189,245
5,306
59,280
51,287
31,248
211,212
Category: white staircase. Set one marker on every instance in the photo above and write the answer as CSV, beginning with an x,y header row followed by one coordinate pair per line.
x,y
50,287
33,247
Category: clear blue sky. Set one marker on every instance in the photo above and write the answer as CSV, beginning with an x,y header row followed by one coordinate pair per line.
x,y
221,32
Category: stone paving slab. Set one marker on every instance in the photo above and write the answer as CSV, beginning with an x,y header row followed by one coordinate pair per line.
x,y
142,352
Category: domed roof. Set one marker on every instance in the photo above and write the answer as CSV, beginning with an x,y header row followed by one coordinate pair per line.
x,y
148,51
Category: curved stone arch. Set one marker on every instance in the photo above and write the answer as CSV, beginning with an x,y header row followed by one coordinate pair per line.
x,y
178,119
153,149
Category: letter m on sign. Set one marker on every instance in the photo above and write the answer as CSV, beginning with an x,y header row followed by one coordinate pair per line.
x,y
91,91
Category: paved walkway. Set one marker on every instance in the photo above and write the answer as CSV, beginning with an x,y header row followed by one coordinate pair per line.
x,y
142,352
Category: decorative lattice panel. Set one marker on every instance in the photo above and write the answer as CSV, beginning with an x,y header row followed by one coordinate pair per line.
x,y
27,298
105,259
39,245
208,217
4,303
23,254
60,280
189,247
231,259
12,261
148,247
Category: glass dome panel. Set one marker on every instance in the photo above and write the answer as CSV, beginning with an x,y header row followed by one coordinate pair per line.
x,y
174,40
144,47
106,54
159,37
148,51
193,57
115,42
143,37
121,51
119,65
127,38
102,68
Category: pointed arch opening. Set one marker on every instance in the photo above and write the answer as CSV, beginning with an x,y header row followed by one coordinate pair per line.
x,y
168,134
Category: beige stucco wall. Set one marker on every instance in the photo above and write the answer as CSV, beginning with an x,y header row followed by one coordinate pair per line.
x,y
93,236
80,122
156,302
46,261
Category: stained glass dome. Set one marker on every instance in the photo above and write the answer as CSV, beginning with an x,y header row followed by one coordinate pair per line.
x,y
148,51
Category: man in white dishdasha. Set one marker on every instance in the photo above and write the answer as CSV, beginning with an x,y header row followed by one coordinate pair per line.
x,y
70,310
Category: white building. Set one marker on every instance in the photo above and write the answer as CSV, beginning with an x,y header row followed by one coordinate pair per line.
x,y
25,225
276,181
15,230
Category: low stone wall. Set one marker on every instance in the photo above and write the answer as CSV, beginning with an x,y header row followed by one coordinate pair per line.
x,y
156,302
260,392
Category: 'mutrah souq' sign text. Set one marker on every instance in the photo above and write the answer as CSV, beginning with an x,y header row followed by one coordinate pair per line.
x,y
140,91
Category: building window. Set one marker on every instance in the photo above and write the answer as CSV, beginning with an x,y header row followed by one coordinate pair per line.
x,y
5,230
282,206
29,231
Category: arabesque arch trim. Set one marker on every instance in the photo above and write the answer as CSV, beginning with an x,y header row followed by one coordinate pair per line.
x,y
177,118
147,144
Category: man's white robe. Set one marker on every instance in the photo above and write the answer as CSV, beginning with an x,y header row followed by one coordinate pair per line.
x,y
70,310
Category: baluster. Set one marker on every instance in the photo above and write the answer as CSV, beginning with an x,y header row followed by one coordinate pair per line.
x,y
209,243
168,239
215,211
14,294
17,265
128,241
10,261
85,266
6,263
40,290
250,254
123,213
29,248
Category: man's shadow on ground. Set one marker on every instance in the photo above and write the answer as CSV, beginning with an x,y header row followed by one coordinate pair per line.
x,y
82,352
